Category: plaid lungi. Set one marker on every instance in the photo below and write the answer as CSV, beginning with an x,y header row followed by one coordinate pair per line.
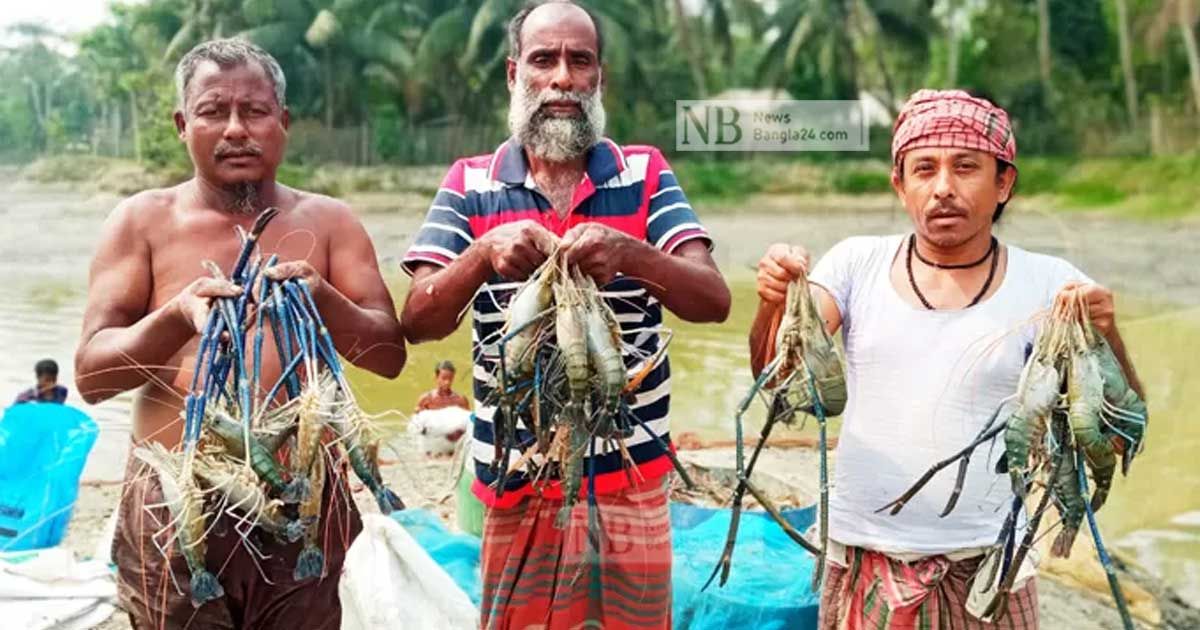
x,y
538,576
880,593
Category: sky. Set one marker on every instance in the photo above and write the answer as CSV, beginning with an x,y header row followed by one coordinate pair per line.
x,y
73,16
70,16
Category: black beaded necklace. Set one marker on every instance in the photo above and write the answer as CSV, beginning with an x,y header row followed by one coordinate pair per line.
x,y
912,243
912,249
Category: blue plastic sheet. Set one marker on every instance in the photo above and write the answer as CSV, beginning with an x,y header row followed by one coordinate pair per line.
x,y
770,582
458,554
43,447
769,587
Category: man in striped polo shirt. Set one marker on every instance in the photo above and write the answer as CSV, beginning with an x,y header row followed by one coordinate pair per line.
x,y
619,215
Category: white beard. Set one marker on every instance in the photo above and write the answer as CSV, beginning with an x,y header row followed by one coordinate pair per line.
x,y
552,138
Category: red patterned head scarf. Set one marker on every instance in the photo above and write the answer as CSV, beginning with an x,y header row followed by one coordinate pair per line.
x,y
953,118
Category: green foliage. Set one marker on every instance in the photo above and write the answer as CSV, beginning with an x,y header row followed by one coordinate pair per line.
x,y
414,81
855,179
1161,187
720,179
387,131
158,139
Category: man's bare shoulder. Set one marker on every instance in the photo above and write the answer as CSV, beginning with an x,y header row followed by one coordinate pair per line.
x,y
321,206
145,209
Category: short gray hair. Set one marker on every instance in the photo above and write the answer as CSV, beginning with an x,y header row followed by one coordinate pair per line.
x,y
518,22
228,53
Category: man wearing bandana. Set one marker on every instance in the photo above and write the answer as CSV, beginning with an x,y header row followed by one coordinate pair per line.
x,y
617,214
937,324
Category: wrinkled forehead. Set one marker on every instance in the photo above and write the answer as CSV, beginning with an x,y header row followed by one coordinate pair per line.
x,y
246,81
555,26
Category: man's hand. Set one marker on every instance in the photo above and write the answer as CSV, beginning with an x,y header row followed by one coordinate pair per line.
x,y
1100,305
196,299
597,250
781,265
515,250
294,270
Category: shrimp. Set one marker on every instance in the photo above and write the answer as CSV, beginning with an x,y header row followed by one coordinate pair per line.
x,y
1037,393
530,304
245,495
354,434
311,561
186,505
262,460
603,335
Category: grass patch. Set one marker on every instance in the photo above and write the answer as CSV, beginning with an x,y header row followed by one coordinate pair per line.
x,y
730,180
722,180
860,179
1163,187
116,175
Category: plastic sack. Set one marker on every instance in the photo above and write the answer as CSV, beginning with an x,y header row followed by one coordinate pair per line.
x,y
389,582
770,582
47,589
43,448
457,554
439,430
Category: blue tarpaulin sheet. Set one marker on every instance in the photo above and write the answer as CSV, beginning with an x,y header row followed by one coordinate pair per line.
x,y
770,582
769,586
43,447
458,554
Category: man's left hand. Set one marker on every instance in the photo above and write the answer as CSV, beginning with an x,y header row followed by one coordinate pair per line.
x,y
597,250
298,270
294,270
1099,301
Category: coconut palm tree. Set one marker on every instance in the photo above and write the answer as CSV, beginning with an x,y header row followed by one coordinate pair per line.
x,y
1126,47
1182,16
822,39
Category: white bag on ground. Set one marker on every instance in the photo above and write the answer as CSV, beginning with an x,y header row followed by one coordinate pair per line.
x,y
50,590
389,582
439,430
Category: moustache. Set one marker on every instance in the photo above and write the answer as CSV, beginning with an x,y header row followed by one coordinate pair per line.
x,y
942,210
551,95
225,150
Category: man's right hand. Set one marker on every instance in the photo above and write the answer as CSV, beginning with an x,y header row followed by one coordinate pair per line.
x,y
781,265
515,250
196,299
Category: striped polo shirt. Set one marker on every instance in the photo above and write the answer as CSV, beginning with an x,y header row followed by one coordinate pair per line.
x,y
630,189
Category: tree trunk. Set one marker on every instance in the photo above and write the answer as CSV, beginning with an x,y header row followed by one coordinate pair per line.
x,y
874,38
1189,43
694,59
1131,95
1158,140
328,90
364,144
137,125
98,124
951,44
1043,7
39,115
116,128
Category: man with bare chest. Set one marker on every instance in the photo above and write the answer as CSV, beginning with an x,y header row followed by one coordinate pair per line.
x,y
149,296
